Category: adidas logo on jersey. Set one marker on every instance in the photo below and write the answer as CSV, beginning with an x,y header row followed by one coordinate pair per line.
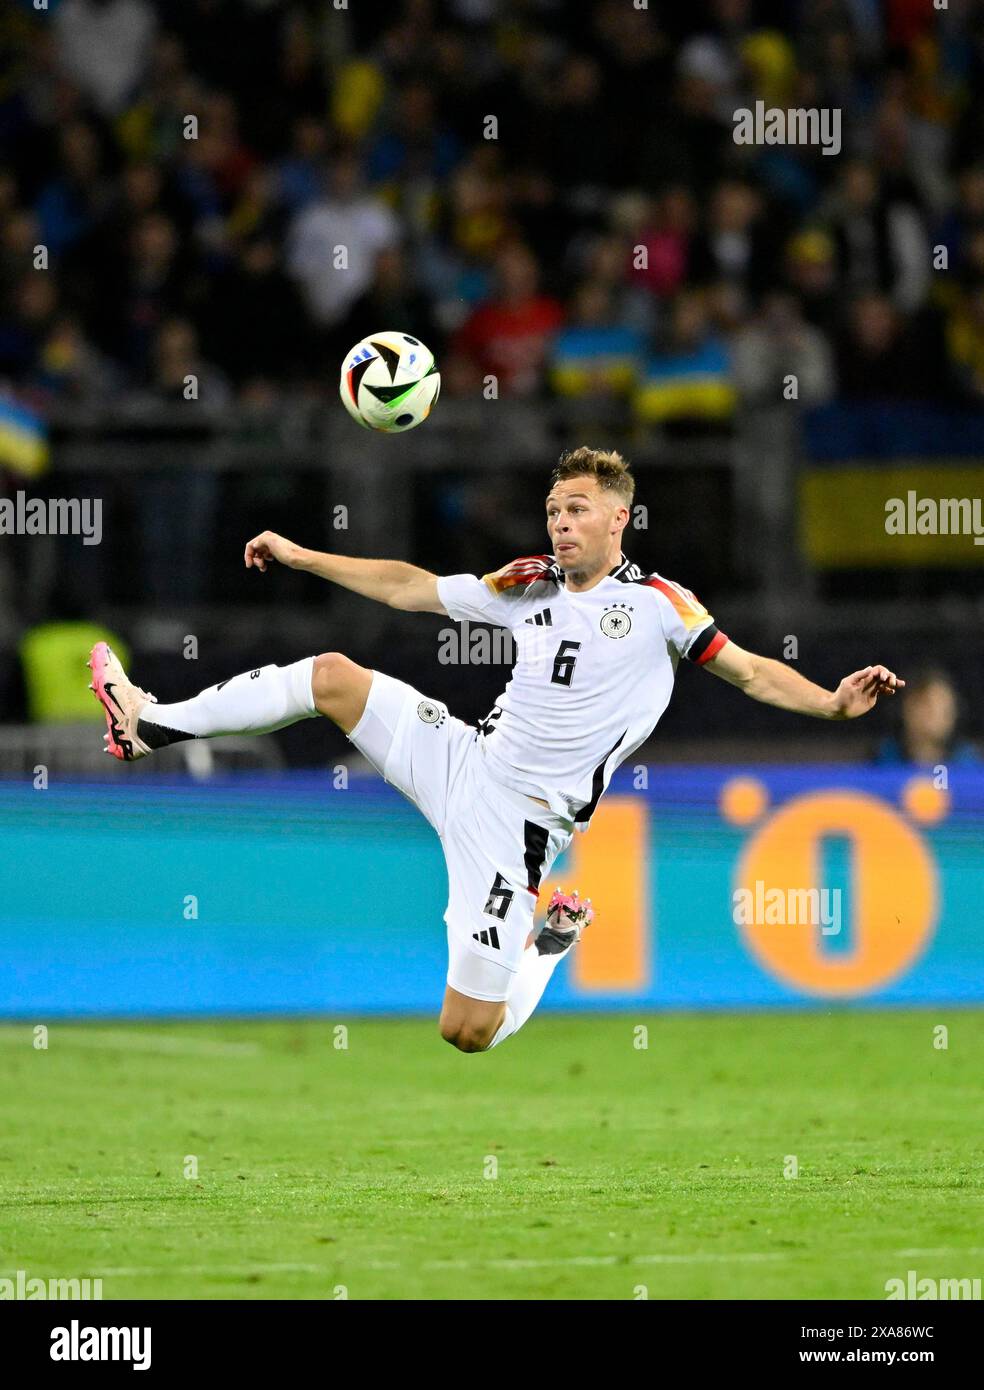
x,y
541,619
487,938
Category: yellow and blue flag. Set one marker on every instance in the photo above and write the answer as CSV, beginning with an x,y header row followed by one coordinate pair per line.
x,y
23,440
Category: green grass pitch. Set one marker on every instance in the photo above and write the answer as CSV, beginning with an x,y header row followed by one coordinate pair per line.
x,y
566,1164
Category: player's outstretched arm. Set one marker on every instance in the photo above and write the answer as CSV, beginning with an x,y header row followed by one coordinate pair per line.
x,y
392,582
775,684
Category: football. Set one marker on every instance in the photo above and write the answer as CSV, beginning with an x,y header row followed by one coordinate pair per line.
x,y
389,382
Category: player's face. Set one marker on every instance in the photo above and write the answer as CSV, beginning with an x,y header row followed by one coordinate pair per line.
x,y
581,522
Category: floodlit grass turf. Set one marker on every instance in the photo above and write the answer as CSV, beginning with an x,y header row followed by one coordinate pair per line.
x,y
617,1167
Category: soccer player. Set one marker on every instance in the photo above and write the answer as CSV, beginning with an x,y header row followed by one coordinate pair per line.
x,y
597,642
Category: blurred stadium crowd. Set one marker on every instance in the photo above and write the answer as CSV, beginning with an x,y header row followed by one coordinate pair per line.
x,y
611,239
548,193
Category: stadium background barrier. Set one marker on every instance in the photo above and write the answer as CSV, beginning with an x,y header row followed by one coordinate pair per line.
x,y
271,894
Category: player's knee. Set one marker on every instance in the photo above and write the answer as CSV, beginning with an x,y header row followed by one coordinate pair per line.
x,y
329,675
465,1037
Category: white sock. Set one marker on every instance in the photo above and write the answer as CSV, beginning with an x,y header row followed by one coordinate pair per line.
x,y
255,702
530,981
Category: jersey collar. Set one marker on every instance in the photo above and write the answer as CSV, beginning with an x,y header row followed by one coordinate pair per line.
x,y
621,568
624,570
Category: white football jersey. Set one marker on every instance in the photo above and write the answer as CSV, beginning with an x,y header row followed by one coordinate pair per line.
x,y
594,671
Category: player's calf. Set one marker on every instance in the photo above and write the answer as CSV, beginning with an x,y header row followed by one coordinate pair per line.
x,y
254,702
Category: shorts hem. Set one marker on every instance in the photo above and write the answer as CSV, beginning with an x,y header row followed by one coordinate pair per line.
x,y
478,994
354,732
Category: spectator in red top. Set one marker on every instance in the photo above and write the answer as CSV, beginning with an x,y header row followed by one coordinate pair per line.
x,y
223,152
668,242
508,336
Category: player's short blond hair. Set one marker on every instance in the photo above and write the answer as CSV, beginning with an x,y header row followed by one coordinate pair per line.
x,y
606,466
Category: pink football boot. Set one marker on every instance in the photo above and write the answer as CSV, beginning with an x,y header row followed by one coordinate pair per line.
x,y
122,702
567,917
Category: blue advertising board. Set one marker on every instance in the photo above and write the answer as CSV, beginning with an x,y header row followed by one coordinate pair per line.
x,y
715,887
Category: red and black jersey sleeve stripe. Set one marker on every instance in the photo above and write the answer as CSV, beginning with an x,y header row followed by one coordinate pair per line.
x,y
706,644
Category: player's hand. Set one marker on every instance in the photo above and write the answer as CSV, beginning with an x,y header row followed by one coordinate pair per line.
x,y
858,694
263,549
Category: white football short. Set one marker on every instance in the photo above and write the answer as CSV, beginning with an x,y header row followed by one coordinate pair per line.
x,y
499,845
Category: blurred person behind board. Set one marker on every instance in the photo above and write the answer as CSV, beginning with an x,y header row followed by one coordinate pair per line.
x,y
928,720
